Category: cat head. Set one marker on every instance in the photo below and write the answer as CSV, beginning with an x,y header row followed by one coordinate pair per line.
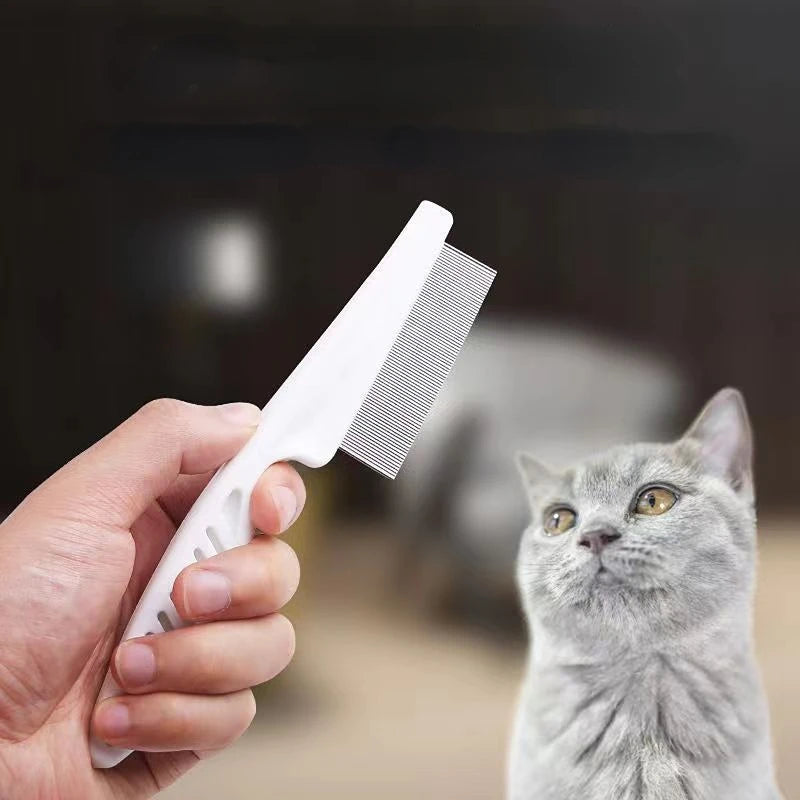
x,y
647,538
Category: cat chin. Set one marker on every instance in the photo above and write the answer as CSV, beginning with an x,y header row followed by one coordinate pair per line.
x,y
601,574
606,584
605,577
611,581
589,587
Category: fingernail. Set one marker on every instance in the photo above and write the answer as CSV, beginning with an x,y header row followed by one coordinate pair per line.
x,y
136,664
241,413
206,592
286,503
113,720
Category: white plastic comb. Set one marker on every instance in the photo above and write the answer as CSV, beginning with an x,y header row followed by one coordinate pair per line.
x,y
366,387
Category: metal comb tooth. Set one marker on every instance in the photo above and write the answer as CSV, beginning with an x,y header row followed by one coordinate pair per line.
x,y
418,363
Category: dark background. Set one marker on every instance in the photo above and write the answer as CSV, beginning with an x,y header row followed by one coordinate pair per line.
x,y
630,167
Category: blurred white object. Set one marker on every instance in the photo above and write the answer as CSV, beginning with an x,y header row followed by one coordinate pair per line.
x,y
232,258
557,393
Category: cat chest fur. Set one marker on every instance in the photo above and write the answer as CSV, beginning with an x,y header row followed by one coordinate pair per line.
x,y
657,726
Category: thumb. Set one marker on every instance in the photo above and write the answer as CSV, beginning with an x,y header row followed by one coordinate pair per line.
x,y
115,480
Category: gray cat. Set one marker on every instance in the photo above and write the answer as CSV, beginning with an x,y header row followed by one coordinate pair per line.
x,y
636,577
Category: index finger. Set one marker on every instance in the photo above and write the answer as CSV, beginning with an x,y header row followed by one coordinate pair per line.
x,y
277,499
274,511
118,477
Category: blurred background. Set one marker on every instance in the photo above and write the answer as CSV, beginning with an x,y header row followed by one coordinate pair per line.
x,y
190,191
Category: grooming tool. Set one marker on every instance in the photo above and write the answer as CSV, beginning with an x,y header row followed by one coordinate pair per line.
x,y
365,387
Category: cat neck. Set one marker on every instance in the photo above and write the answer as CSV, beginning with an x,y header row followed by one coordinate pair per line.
x,y
715,642
684,717
697,692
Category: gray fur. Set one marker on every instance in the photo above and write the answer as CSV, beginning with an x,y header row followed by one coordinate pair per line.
x,y
641,682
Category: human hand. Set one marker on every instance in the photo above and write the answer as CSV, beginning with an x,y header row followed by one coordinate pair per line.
x,y
74,558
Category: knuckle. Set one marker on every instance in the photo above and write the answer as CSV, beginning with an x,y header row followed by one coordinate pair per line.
x,y
166,408
168,717
198,664
210,660
173,712
163,409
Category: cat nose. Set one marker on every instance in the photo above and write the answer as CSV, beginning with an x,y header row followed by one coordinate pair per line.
x,y
597,539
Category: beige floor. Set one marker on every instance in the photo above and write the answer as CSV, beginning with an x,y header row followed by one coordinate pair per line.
x,y
380,704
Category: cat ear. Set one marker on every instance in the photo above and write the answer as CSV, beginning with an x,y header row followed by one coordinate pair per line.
x,y
726,442
533,472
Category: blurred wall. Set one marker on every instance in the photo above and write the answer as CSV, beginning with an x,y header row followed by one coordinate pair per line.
x,y
630,168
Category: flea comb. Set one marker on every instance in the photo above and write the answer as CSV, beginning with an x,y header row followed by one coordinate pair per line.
x,y
365,387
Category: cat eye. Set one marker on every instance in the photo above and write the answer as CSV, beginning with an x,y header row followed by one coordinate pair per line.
x,y
654,501
559,520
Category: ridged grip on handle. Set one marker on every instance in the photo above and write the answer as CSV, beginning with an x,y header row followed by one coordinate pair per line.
x,y
218,521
